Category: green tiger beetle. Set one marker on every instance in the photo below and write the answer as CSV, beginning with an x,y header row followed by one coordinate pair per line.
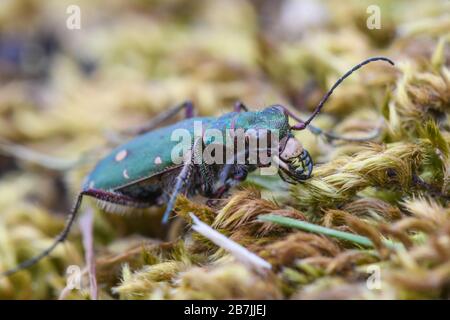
x,y
138,174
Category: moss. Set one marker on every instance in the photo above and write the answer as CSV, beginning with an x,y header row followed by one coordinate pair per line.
x,y
150,56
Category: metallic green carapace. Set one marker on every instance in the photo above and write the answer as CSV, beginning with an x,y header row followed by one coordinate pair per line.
x,y
150,154
142,157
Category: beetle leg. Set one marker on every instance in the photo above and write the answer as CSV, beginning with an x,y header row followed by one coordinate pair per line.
x,y
239,106
330,136
116,198
181,179
187,106
206,172
220,191
60,238
207,177
95,193
156,121
230,175
239,175
224,185
225,173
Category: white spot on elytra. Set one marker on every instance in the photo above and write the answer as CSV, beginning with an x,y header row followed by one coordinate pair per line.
x,y
125,174
91,184
121,155
158,160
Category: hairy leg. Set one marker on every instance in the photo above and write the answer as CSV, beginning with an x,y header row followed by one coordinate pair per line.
x,y
187,106
115,138
95,193
182,178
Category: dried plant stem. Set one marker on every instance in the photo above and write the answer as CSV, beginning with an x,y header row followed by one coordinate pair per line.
x,y
86,227
239,252
310,227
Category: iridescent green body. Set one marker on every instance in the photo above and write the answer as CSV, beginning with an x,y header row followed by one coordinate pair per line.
x,y
142,157
147,156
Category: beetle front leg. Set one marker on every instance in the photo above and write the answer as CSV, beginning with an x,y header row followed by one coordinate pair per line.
x,y
181,179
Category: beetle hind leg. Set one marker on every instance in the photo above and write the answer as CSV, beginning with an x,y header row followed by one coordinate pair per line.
x,y
60,238
187,106
115,208
113,202
102,195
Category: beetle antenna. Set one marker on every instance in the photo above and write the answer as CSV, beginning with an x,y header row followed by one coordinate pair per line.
x,y
303,124
61,237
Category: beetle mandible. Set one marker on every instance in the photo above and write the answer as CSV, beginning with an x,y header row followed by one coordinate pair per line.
x,y
138,173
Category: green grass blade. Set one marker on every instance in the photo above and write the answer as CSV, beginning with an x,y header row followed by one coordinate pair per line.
x,y
310,227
